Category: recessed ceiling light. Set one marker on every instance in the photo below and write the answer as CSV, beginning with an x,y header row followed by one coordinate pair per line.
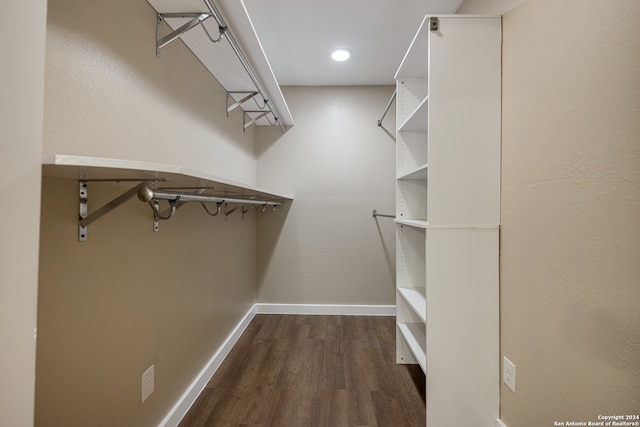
x,y
341,55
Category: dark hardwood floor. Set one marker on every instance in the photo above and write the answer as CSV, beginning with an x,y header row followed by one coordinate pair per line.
x,y
298,371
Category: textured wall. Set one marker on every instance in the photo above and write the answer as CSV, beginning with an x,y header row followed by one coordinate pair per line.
x,y
339,166
108,95
570,276
127,298
483,7
21,104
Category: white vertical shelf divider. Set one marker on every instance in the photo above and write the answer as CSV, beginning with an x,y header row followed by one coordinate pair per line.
x,y
448,110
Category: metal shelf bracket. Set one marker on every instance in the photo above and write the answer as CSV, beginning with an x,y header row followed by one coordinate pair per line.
x,y
82,229
247,120
86,218
235,104
197,19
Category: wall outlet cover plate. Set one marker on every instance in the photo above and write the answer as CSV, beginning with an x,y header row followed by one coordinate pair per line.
x,y
148,382
509,374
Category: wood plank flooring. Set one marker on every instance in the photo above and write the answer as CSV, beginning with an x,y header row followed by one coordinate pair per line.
x,y
298,371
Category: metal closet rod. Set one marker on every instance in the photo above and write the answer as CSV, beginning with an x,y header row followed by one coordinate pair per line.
x,y
386,110
243,60
147,194
376,214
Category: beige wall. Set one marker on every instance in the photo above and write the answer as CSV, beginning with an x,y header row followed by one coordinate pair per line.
x,y
339,165
22,41
570,239
128,298
484,7
108,95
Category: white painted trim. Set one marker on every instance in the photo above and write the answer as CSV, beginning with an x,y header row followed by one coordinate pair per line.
x,y
179,410
499,423
327,309
188,398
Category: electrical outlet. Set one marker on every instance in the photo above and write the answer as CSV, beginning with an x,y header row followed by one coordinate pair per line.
x,y
509,374
148,382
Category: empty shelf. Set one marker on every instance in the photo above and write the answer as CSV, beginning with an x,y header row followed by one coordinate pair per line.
x,y
413,223
418,120
416,300
415,337
419,172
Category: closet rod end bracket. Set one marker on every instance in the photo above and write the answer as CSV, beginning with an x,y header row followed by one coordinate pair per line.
x,y
434,23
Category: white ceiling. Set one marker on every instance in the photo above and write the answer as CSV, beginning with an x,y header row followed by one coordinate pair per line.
x,y
299,35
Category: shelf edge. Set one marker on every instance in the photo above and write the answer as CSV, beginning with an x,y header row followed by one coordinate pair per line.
x,y
421,108
53,160
414,346
416,306
413,223
415,171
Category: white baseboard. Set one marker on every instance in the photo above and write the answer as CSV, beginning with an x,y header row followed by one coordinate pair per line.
x,y
189,397
499,423
327,309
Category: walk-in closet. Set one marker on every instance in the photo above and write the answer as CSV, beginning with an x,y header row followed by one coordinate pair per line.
x,y
320,213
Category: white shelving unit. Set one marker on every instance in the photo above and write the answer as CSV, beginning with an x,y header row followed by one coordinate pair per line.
x,y
416,122
448,215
